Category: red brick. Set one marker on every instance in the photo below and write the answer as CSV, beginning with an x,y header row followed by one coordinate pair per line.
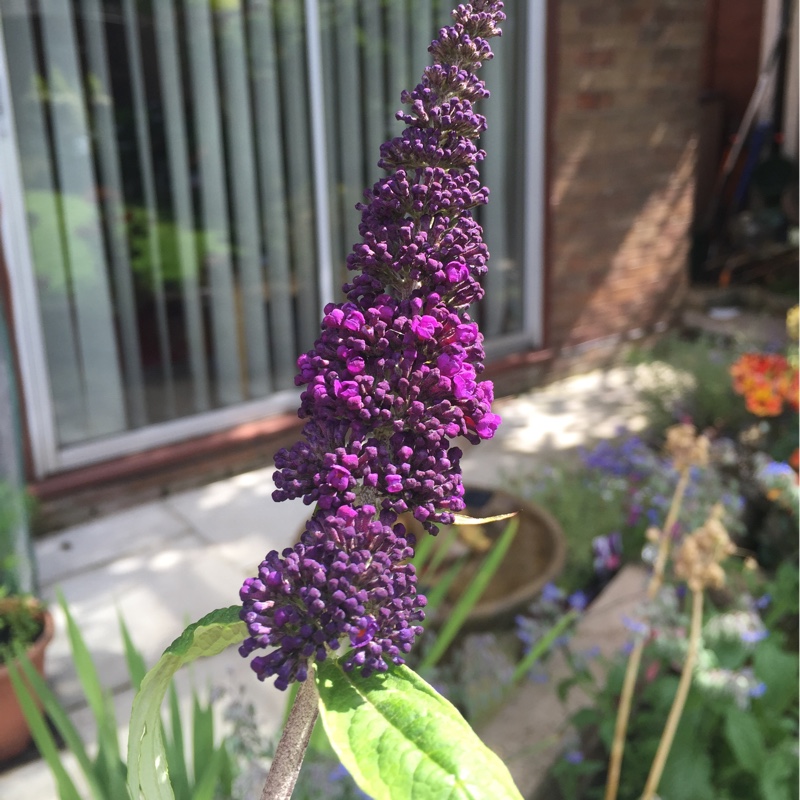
x,y
604,57
592,100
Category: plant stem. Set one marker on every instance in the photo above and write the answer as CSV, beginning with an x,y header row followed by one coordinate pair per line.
x,y
635,658
623,714
680,698
657,577
291,749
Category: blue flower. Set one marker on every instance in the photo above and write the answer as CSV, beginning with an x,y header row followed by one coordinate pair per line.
x,y
574,756
758,690
754,636
763,602
578,600
635,626
552,594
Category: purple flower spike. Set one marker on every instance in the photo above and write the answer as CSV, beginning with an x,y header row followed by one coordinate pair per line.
x,y
396,366
391,382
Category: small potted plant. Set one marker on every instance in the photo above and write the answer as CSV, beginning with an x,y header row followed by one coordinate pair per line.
x,y
24,622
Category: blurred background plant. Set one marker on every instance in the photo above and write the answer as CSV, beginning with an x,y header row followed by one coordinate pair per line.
x,y
607,498
738,734
200,764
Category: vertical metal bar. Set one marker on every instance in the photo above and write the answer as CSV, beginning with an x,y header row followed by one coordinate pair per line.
x,y
214,202
349,162
421,34
274,222
398,56
105,410
292,71
535,201
318,153
330,21
114,208
180,188
375,128
145,154
241,154
499,298
41,403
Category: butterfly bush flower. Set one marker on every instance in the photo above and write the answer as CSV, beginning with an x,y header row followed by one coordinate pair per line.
x,y
391,382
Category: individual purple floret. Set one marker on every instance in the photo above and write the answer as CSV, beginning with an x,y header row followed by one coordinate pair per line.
x,y
345,580
391,382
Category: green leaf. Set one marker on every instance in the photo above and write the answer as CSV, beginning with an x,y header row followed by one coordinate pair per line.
x,y
543,645
147,769
400,739
109,766
443,544
470,597
779,671
133,657
60,719
775,779
173,745
744,736
443,584
202,735
42,736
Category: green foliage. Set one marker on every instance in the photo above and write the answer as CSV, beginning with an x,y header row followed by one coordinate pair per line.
x,y
21,623
471,595
738,736
682,377
16,509
148,771
585,508
206,777
398,737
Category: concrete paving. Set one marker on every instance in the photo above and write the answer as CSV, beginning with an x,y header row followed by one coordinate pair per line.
x,y
166,563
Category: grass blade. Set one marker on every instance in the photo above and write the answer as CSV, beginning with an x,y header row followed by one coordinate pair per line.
x,y
202,735
542,646
205,788
42,736
176,754
87,672
444,542
471,596
59,718
438,592
423,550
133,657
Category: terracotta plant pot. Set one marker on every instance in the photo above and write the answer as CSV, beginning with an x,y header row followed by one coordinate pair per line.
x,y
14,733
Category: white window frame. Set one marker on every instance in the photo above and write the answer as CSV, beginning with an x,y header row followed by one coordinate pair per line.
x,y
49,458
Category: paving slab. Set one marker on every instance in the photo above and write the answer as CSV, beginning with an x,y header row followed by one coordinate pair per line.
x,y
104,540
240,518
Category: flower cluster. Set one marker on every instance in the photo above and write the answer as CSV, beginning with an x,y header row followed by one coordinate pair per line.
x,y
767,381
391,381
343,580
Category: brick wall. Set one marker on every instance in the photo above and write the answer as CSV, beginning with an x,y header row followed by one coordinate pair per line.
x,y
623,126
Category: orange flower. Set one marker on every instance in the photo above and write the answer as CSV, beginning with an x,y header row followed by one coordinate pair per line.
x,y
766,381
